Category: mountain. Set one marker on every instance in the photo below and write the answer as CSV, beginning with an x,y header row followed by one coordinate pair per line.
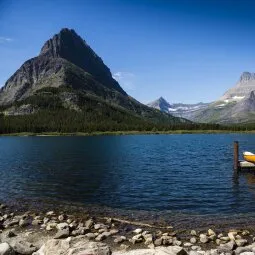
x,y
69,78
243,88
179,110
236,106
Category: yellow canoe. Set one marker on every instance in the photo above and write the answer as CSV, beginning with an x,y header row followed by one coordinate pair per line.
x,y
248,156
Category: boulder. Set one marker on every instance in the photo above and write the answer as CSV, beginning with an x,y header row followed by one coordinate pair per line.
x,y
62,226
6,249
119,239
23,247
73,246
63,233
228,247
241,242
89,223
138,231
171,250
204,238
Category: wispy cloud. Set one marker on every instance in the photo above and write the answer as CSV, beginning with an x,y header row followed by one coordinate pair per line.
x,y
5,39
126,80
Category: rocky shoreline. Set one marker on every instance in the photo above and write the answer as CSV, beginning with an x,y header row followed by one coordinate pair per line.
x,y
59,233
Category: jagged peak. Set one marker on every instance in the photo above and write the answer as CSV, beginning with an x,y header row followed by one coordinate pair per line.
x,y
247,76
67,44
252,95
161,99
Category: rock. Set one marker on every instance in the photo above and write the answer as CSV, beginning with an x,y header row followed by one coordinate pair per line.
x,y
211,232
46,220
90,236
102,236
114,231
241,242
78,245
213,237
6,249
62,233
124,247
50,213
193,232
218,241
149,239
23,223
24,248
247,253
102,230
61,217
225,238
69,221
195,248
136,239
228,247
50,226
37,222
166,240
10,233
158,242
220,235
187,244
138,231
245,232
193,240
11,223
232,235
119,239
177,242
194,253
79,231
73,225
240,250
170,250
204,238
3,206
100,225
62,226
89,223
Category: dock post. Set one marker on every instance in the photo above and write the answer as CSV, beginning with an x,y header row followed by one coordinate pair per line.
x,y
236,156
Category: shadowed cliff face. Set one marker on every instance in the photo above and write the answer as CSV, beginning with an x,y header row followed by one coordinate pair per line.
x,y
48,69
70,46
67,64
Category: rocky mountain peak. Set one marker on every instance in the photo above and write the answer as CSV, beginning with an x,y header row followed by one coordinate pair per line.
x,y
252,96
246,76
59,44
67,44
162,100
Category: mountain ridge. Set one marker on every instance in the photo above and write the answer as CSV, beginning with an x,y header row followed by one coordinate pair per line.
x,y
237,105
70,73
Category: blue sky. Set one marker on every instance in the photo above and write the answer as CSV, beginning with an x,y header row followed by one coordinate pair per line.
x,y
184,50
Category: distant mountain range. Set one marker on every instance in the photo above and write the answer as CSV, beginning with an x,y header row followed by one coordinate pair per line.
x,y
237,105
179,109
69,78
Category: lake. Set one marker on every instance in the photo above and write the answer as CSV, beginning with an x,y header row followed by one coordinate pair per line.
x,y
177,174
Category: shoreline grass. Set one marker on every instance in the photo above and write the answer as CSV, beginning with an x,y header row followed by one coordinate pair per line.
x,y
113,133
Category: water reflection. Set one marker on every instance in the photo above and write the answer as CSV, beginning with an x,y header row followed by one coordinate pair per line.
x,y
174,173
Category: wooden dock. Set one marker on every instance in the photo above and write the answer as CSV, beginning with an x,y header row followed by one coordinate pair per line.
x,y
241,165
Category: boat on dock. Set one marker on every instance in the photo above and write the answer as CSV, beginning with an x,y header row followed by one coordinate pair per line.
x,y
249,156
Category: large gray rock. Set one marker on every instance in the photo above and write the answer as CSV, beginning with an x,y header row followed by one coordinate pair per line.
x,y
171,250
6,249
24,247
73,246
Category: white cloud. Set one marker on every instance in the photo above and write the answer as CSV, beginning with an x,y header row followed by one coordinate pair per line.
x,y
5,39
126,80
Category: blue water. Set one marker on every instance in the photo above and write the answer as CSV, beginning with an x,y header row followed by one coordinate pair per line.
x,y
175,173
